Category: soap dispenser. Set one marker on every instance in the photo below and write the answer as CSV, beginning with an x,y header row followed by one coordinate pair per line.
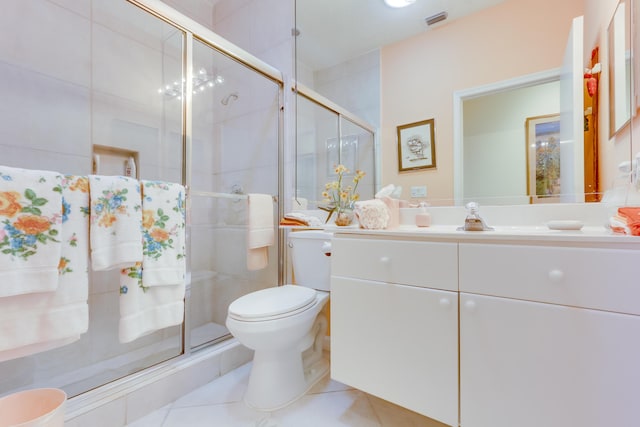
x,y
423,218
473,222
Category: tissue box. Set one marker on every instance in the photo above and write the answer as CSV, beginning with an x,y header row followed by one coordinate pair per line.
x,y
372,214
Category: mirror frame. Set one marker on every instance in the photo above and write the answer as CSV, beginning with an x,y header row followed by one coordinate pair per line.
x,y
620,68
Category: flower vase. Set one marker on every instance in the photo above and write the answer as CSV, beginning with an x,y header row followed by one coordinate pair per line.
x,y
344,217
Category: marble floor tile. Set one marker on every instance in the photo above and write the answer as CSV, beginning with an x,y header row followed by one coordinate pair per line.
x,y
328,404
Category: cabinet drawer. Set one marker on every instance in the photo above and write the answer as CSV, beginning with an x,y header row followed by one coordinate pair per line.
x,y
425,264
582,277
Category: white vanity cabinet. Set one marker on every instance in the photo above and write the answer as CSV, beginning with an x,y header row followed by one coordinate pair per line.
x,y
394,322
514,331
549,336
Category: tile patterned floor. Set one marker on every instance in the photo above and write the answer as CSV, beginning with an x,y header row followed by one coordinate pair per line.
x,y
328,404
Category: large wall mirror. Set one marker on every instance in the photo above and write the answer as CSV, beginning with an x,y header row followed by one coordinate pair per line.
x,y
338,40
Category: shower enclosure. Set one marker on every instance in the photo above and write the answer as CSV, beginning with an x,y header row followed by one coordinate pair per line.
x,y
111,77
328,135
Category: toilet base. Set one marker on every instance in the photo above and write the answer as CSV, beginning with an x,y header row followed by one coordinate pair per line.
x,y
278,378
272,399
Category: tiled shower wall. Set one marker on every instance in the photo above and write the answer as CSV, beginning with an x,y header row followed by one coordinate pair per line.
x,y
78,73
75,74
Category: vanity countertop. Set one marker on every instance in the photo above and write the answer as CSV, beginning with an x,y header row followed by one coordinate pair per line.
x,y
540,234
514,224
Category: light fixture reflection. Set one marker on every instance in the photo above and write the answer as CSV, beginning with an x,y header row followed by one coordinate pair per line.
x,y
399,3
200,81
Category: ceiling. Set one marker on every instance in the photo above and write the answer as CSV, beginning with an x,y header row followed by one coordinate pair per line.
x,y
332,31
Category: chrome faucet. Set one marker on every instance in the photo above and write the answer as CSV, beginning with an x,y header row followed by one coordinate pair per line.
x,y
473,222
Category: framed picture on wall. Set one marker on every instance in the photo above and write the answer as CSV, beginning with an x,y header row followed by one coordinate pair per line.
x,y
416,146
543,158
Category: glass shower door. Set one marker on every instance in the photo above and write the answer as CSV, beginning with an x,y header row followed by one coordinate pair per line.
x,y
235,152
87,75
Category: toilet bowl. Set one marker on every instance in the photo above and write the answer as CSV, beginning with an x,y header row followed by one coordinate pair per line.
x,y
285,327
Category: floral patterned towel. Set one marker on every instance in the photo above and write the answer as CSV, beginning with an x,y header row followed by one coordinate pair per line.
x,y
152,291
163,232
144,310
115,222
42,321
30,221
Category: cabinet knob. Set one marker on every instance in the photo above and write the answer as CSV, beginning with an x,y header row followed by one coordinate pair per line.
x,y
470,305
385,259
556,275
445,302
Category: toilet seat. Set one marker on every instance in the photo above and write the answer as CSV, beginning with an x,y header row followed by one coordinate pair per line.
x,y
272,303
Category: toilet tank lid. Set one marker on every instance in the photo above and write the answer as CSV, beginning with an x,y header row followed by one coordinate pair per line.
x,y
272,302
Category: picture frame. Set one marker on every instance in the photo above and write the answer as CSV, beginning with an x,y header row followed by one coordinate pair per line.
x,y
417,146
543,158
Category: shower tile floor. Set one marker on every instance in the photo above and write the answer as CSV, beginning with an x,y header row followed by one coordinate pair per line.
x,y
328,404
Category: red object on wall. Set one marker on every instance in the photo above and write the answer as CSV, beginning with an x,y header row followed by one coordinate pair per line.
x,y
590,73
592,84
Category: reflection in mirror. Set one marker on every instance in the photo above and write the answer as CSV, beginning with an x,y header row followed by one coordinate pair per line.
x,y
358,153
619,41
314,124
493,122
505,155
325,139
592,177
417,74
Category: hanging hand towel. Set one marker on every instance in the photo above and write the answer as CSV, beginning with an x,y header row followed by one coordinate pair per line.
x,y
163,232
30,219
43,321
260,234
144,310
115,222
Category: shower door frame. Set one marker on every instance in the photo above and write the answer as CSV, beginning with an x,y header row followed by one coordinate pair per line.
x,y
193,31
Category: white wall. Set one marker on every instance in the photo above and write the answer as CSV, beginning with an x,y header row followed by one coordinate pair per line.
x,y
354,85
261,27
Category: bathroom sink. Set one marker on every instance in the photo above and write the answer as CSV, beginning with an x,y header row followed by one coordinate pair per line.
x,y
503,230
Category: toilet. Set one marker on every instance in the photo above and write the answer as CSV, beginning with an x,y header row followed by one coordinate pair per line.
x,y
285,327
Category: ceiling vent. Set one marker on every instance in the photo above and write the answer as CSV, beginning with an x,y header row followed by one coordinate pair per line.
x,y
433,19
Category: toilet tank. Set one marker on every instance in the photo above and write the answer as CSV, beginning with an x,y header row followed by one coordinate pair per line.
x,y
311,265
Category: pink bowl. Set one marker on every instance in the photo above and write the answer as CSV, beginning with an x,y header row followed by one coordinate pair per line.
x,y
42,407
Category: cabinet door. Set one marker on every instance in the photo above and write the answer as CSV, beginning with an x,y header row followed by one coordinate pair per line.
x,y
530,364
397,342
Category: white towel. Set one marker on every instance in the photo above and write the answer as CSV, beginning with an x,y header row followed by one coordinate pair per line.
x,y
260,234
145,310
303,219
163,232
30,219
116,222
43,321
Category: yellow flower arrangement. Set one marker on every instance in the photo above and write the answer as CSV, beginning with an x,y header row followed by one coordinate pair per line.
x,y
341,198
